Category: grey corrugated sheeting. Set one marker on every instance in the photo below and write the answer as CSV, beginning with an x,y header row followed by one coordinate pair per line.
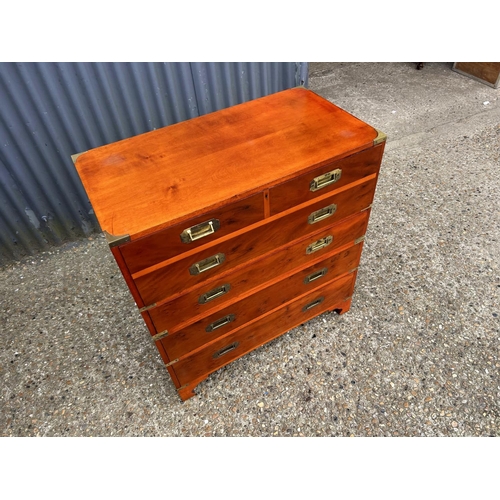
x,y
49,111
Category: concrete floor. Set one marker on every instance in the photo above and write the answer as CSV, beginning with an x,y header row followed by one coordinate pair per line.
x,y
417,354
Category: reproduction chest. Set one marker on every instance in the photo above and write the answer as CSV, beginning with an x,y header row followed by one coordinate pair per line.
x,y
232,228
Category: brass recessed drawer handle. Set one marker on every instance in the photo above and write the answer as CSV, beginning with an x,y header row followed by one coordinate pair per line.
x,y
315,276
225,350
318,245
220,323
312,304
200,231
206,264
322,214
325,180
213,294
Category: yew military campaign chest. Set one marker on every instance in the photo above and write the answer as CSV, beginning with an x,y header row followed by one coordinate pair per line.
x,y
233,228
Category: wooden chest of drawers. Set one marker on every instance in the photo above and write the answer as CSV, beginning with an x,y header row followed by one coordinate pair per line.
x,y
232,228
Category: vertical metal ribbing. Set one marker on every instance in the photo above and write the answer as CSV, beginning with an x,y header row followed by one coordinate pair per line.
x,y
50,111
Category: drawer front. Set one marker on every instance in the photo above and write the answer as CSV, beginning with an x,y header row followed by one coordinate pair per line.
x,y
179,342
228,287
195,269
325,179
253,335
174,240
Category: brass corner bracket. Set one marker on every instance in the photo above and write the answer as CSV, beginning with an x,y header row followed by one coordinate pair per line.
x,y
160,335
76,155
381,137
115,240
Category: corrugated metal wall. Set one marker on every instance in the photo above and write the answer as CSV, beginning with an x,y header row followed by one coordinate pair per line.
x,y
49,111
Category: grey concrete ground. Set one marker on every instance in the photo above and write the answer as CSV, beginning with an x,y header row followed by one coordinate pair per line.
x,y
417,354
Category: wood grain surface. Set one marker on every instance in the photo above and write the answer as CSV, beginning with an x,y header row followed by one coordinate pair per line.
x,y
291,259
145,183
182,341
205,361
171,279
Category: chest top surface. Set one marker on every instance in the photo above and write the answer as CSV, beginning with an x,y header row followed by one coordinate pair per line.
x,y
137,185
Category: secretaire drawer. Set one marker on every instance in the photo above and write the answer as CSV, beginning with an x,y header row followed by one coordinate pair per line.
x,y
192,233
188,272
213,297
180,341
234,345
325,179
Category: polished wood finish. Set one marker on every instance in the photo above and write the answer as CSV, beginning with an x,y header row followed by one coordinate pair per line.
x,y
158,247
271,267
142,184
237,226
297,190
262,330
183,339
170,279
117,254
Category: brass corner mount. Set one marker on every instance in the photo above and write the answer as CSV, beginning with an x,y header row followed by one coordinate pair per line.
x,y
115,240
381,137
